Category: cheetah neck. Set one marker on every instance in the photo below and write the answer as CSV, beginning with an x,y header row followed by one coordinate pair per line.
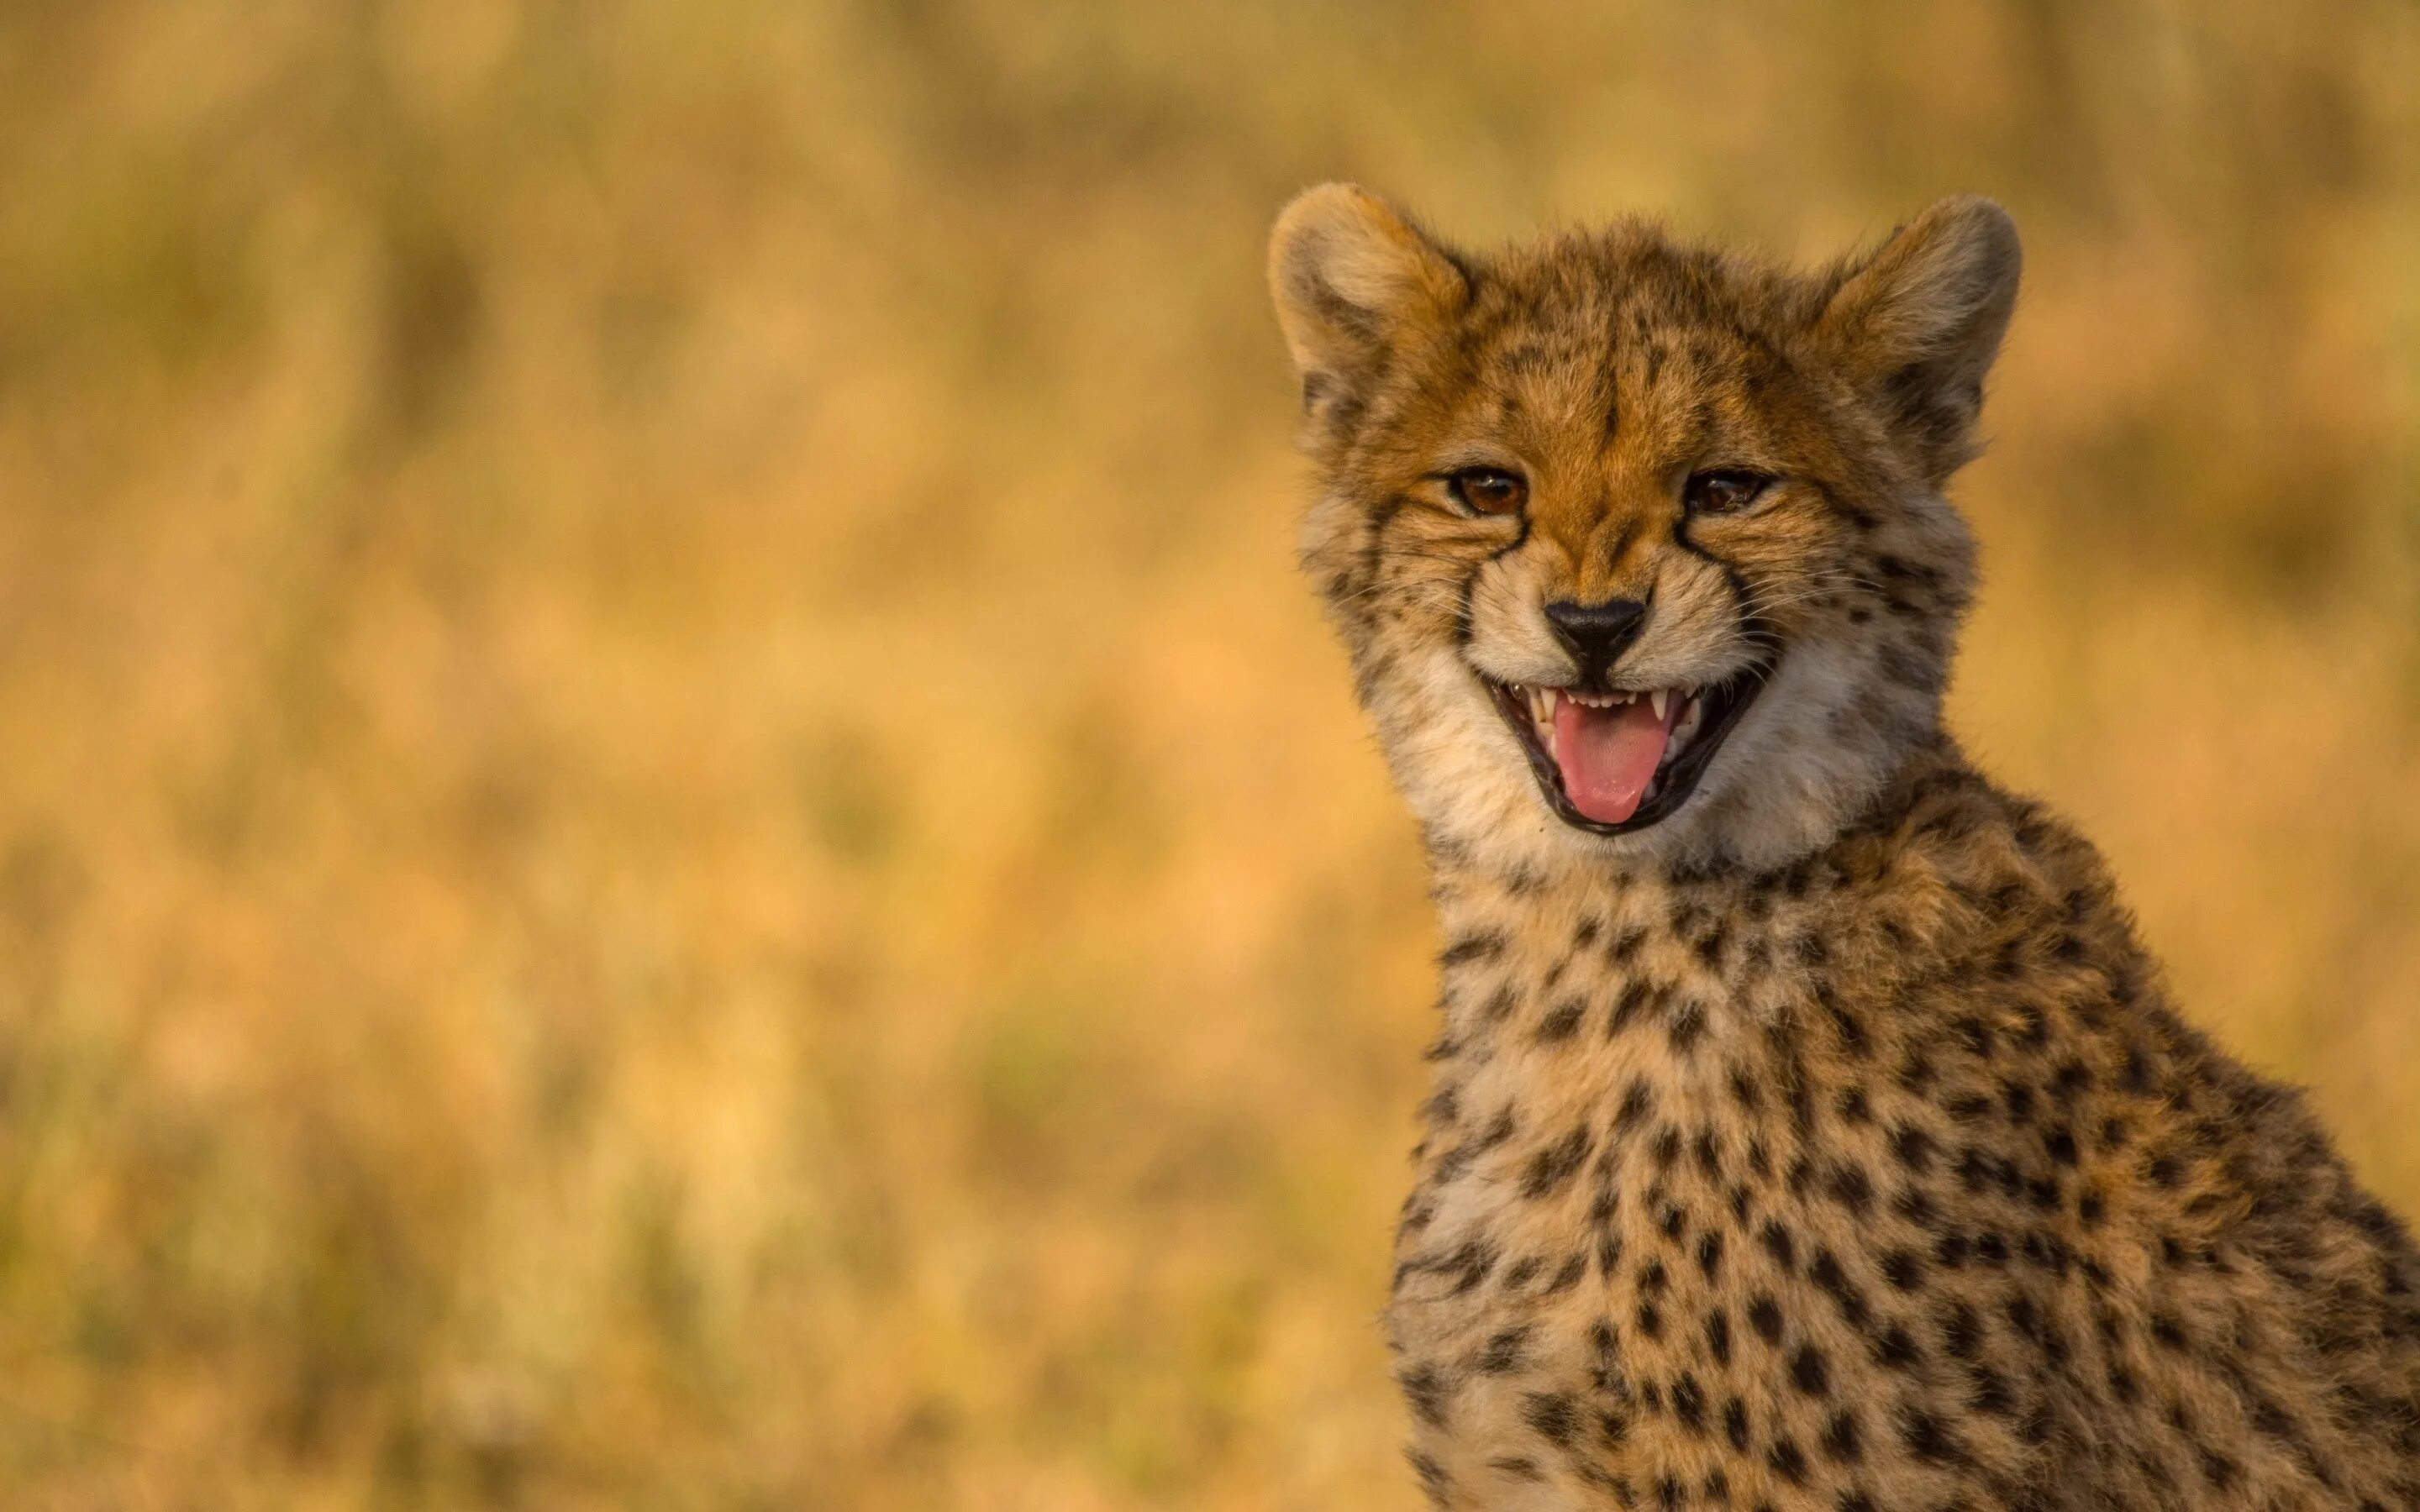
x,y
1535,957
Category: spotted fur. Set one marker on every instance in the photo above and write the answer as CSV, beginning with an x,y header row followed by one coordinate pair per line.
x,y
1831,1144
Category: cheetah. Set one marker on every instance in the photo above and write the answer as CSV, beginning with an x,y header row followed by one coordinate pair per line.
x,y
1809,1128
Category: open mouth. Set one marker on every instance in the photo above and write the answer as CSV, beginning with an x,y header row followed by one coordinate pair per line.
x,y
1618,761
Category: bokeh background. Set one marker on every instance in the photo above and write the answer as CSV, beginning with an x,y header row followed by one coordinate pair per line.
x,y
671,832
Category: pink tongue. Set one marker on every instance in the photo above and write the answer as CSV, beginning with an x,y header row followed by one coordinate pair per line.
x,y
1609,756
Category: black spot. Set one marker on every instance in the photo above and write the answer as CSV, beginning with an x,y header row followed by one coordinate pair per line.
x,y
1992,1393
1961,1332
1667,1146
1503,1353
1635,1105
1825,1273
1552,1168
1710,1159
1901,1269
1686,1026
1841,1437
1637,999
1809,1372
1896,1348
2062,1145
1710,1253
1561,1024
1485,947
1914,1147
1552,1414
1428,1390
1764,1316
1735,1423
1718,1335
2025,1317
1651,1322
1787,1461
1851,1029
1710,945
1927,1438
1778,1244
1852,1189
1689,1403
1434,1479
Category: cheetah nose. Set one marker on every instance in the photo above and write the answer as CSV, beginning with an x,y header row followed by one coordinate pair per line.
x,y
1597,635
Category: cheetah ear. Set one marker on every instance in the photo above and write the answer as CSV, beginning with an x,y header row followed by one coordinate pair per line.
x,y
1921,319
1353,280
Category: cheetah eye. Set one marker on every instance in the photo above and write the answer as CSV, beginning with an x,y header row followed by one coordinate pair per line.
x,y
1723,492
1488,490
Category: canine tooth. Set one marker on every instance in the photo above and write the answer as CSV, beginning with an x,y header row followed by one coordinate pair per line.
x,y
1659,698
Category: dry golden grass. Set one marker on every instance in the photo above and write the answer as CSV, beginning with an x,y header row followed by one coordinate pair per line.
x,y
672,834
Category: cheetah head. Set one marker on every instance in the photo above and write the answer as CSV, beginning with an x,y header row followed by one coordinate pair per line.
x,y
1639,547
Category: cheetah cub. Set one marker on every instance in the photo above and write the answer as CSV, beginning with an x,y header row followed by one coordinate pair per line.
x,y
1809,1127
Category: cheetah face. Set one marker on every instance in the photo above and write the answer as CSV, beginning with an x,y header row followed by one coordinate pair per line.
x,y
1637,546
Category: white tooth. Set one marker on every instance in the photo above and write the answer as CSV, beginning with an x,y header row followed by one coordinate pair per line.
x,y
1659,698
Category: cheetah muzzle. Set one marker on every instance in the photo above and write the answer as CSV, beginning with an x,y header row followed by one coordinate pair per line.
x,y
1633,756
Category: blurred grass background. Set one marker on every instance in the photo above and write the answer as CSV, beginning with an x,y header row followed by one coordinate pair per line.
x,y
672,834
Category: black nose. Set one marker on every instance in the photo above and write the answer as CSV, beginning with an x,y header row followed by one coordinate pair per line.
x,y
1597,635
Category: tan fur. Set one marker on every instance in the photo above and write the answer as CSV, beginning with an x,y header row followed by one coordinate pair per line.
x,y
1830,1144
